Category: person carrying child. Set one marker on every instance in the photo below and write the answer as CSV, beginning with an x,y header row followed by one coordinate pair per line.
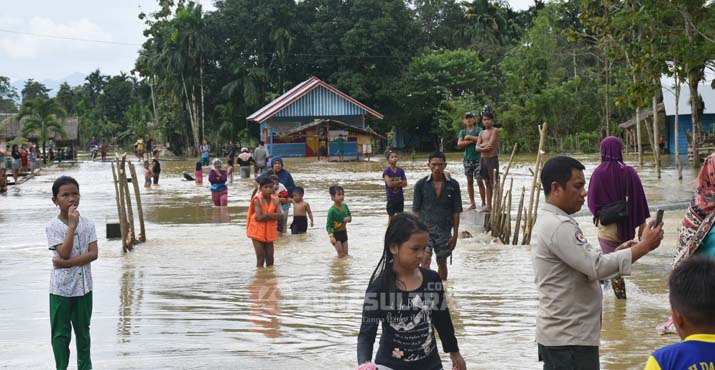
x,y
219,190
395,181
338,216
156,167
300,209
147,175
261,226
692,304
410,303
73,241
284,199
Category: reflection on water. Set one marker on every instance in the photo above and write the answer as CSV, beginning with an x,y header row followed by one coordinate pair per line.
x,y
265,299
191,297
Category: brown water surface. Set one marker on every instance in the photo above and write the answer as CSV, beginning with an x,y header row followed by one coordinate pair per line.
x,y
191,297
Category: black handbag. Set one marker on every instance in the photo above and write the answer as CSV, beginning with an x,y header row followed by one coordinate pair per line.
x,y
615,212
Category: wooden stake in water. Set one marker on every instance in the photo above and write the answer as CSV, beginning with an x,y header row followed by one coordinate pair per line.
x,y
515,239
137,194
537,172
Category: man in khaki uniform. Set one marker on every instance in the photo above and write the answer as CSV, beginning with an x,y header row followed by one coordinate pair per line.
x,y
568,269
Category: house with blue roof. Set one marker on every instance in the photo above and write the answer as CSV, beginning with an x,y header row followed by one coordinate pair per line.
x,y
311,115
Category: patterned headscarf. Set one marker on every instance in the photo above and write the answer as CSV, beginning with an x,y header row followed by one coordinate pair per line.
x,y
699,218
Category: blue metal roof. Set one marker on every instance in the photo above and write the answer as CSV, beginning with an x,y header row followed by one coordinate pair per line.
x,y
321,102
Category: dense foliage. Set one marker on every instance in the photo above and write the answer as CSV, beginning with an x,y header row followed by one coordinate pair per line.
x,y
581,65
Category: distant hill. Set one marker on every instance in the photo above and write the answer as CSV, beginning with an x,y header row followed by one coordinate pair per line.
x,y
74,79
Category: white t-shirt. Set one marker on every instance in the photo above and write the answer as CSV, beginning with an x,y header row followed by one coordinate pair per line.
x,y
73,281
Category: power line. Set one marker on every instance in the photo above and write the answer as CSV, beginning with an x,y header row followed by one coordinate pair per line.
x,y
68,38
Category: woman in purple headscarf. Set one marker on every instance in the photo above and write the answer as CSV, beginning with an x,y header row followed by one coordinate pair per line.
x,y
609,183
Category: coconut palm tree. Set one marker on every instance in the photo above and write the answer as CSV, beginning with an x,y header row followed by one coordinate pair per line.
x,y
42,117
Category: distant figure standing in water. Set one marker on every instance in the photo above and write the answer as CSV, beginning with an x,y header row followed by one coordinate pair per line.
x,y
438,202
205,149
489,162
219,190
610,182
395,181
338,217
468,138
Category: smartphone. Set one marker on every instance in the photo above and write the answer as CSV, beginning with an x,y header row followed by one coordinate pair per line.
x,y
658,218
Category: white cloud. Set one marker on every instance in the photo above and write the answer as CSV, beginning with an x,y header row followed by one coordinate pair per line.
x,y
20,46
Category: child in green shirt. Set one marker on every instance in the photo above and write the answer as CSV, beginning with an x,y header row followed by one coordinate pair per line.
x,y
338,217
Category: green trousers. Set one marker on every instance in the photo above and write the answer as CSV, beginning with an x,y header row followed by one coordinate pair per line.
x,y
67,313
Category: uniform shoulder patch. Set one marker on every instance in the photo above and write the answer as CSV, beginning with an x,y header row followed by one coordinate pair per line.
x,y
580,238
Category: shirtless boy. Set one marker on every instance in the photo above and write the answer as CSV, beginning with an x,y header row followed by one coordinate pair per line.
x,y
301,208
489,147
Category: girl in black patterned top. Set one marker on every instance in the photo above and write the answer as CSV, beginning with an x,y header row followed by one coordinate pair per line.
x,y
410,303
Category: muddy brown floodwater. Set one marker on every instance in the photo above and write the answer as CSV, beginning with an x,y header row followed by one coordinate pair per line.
x,y
191,297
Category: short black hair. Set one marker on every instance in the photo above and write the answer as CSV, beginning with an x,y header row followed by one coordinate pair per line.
x,y
155,152
265,180
558,169
62,180
692,290
261,142
274,178
437,154
336,189
489,115
299,190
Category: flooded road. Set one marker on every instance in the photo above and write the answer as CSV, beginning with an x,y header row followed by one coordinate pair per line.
x,y
191,297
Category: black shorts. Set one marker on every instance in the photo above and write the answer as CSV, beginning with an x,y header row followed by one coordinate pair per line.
x,y
487,167
395,206
438,244
156,178
569,357
340,235
299,225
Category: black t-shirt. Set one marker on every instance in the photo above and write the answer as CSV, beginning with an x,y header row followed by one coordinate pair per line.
x,y
157,166
408,322
16,155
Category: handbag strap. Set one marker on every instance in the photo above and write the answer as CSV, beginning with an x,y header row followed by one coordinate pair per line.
x,y
628,183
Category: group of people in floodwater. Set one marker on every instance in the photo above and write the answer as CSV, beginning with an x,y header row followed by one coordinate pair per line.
x,y
408,299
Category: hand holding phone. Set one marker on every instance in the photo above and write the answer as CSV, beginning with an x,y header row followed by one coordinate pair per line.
x,y
658,218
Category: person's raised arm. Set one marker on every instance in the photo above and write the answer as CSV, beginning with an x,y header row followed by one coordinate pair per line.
x,y
65,249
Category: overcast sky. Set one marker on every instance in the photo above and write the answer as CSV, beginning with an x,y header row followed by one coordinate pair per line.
x,y
24,56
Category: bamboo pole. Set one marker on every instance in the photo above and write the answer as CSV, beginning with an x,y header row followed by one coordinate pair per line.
x,y
539,155
494,204
515,239
122,208
507,215
131,235
140,211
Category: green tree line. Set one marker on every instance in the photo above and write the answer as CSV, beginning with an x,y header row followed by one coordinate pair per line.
x,y
580,65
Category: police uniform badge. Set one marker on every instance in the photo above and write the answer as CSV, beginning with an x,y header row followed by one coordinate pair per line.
x,y
580,238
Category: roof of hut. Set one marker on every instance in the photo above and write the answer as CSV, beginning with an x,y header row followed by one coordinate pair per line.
x,y
11,128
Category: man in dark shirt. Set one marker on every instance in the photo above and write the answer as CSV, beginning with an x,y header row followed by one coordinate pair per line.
x,y
438,203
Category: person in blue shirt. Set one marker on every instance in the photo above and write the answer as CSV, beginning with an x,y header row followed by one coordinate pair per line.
x,y
692,304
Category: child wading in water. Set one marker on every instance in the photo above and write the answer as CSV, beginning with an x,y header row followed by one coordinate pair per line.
x,y
73,240
199,173
300,221
262,225
147,175
338,217
395,180
410,303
